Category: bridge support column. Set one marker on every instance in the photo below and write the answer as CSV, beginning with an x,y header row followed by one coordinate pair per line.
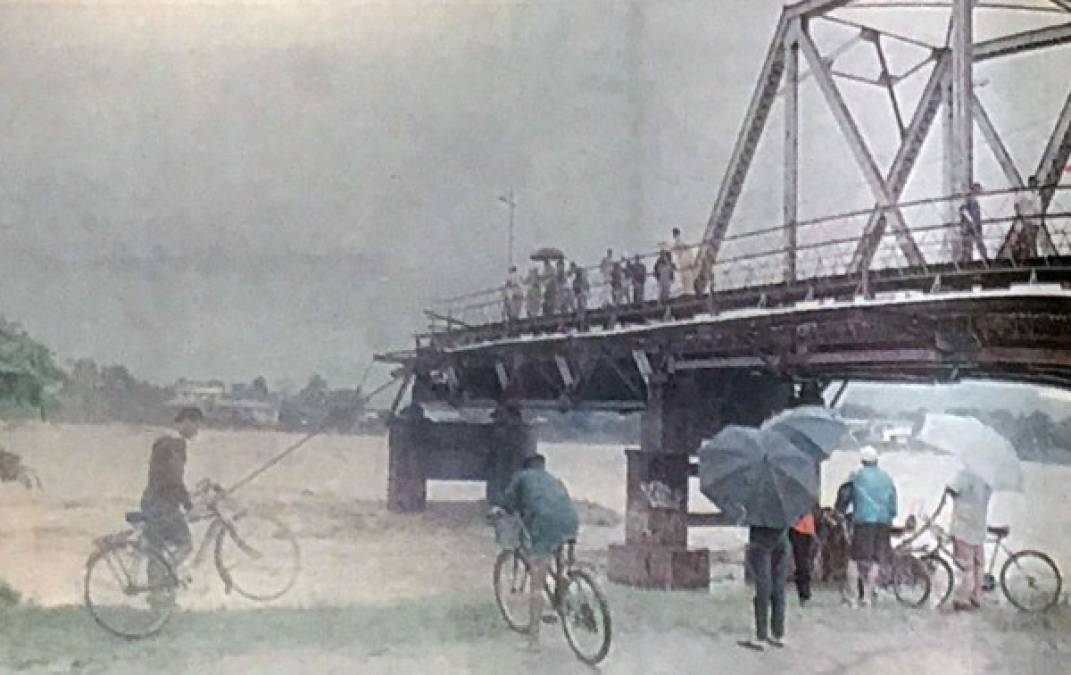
x,y
422,450
683,409
655,552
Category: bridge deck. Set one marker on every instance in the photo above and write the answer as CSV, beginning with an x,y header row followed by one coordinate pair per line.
x,y
943,323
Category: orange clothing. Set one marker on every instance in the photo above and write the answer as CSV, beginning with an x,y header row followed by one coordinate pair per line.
x,y
805,525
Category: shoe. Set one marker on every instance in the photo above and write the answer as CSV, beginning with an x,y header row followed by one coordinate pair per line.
x,y
961,606
753,645
976,604
776,642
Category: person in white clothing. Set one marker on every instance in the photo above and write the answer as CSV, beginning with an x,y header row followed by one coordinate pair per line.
x,y
970,507
606,268
685,263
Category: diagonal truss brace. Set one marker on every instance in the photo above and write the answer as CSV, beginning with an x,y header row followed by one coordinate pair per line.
x,y
860,151
904,162
744,151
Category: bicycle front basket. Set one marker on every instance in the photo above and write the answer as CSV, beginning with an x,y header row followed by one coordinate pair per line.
x,y
508,531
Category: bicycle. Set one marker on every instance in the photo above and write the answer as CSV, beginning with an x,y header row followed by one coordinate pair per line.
x,y
1029,579
130,584
906,575
574,595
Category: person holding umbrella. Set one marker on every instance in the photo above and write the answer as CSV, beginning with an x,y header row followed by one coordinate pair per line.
x,y
766,482
970,505
988,463
873,510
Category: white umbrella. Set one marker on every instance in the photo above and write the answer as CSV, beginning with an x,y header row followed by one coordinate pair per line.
x,y
979,447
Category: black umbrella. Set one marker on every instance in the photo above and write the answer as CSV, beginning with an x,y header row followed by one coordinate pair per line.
x,y
814,429
758,476
547,253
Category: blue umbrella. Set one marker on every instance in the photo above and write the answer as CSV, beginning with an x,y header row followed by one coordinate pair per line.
x,y
813,429
758,476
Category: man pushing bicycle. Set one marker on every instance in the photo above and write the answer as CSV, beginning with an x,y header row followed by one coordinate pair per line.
x,y
166,501
543,504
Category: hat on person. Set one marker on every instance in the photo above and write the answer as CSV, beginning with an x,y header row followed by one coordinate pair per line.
x,y
869,454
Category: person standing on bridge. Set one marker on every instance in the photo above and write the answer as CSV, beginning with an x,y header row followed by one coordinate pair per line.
x,y
685,262
663,270
581,290
513,295
617,282
1028,209
970,226
637,273
550,290
564,301
544,506
606,289
533,293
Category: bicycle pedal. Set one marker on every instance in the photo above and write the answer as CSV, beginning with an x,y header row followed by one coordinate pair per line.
x,y
550,618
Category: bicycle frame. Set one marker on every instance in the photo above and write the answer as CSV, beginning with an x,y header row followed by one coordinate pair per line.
x,y
942,538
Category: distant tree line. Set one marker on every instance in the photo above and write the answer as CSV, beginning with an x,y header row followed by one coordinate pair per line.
x,y
1035,436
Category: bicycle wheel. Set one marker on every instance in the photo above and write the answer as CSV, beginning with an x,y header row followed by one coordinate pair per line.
x,y
1031,581
942,579
585,617
512,585
911,580
257,556
130,589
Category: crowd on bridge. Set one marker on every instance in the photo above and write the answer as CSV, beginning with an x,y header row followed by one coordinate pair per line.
x,y
559,289
564,288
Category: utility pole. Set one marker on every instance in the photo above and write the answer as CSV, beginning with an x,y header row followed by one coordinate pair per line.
x,y
512,204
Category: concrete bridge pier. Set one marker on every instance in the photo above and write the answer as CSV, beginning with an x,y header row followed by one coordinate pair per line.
x,y
421,450
682,410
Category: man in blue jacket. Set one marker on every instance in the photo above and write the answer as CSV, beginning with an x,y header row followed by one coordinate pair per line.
x,y
873,510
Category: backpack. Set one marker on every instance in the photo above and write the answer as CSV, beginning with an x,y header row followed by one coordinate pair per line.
x,y
845,495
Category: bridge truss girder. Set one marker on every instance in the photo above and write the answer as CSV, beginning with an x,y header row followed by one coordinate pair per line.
x,y
791,38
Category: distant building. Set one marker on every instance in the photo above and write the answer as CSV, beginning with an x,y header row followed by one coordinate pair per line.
x,y
234,407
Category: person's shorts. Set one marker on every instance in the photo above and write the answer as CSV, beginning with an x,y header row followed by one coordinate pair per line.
x,y
869,542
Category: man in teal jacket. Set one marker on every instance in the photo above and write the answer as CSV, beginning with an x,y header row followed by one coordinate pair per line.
x,y
543,503
873,510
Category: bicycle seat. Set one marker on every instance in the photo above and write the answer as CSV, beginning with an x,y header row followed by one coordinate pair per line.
x,y
135,517
999,531
571,541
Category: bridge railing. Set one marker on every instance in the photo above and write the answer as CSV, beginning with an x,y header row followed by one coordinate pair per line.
x,y
825,247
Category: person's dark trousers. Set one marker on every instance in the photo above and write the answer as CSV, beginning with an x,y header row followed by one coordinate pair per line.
x,y
802,545
767,558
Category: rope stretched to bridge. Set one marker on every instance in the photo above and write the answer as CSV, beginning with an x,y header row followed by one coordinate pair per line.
x,y
333,418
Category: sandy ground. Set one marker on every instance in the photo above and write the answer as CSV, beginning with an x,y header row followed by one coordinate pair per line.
x,y
381,592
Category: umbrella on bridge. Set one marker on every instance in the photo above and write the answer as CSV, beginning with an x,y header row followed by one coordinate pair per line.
x,y
547,253
814,429
757,476
979,447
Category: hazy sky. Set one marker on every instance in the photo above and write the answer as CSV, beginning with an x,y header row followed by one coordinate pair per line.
x,y
241,188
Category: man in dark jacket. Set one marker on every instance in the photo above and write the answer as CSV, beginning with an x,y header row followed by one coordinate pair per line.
x,y
638,274
543,504
166,498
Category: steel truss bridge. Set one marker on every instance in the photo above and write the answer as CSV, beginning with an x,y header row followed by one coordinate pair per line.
x,y
892,292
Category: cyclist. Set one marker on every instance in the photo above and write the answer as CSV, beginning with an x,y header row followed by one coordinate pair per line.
x,y
166,497
543,503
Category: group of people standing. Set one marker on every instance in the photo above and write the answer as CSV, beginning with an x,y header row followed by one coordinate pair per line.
x,y
869,495
1027,225
557,289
